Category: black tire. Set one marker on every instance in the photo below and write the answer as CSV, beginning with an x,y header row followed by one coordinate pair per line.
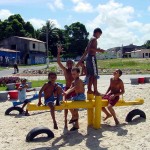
x,y
39,130
134,113
19,109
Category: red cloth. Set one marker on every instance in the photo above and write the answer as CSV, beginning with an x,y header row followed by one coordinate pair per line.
x,y
70,95
111,101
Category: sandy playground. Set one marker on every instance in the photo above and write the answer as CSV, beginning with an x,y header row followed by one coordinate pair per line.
x,y
132,136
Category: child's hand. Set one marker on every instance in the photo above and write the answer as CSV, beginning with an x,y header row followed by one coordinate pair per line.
x,y
112,96
59,49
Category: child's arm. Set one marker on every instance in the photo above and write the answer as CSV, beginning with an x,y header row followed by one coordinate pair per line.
x,y
82,58
22,87
59,49
29,90
94,47
71,89
40,94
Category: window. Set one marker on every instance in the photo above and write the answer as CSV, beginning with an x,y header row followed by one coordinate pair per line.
x,y
33,45
146,54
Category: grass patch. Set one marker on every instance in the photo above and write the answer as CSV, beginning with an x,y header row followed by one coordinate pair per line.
x,y
130,63
35,83
39,83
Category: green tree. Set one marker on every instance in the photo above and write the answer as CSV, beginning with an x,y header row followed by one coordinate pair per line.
x,y
77,39
147,44
51,31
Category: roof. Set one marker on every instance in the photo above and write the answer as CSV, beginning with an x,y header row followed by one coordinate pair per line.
x,y
8,50
30,39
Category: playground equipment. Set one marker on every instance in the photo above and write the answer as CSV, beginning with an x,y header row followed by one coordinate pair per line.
x,y
16,103
94,108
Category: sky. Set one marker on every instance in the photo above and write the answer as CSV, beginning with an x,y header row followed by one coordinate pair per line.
x,y
123,22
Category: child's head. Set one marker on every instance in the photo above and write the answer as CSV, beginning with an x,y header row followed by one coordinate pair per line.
x,y
97,32
75,72
52,76
23,81
117,73
70,64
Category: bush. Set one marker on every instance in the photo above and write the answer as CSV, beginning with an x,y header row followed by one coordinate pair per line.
x,y
6,80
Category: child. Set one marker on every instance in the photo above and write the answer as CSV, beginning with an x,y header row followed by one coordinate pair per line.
x,y
52,92
77,86
115,89
22,89
91,62
68,77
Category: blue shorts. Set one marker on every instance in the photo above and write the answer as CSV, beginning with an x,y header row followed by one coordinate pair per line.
x,y
52,99
79,97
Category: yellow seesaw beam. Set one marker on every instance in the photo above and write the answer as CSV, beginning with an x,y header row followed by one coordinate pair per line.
x,y
94,107
83,104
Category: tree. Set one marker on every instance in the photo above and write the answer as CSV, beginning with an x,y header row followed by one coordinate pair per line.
x,y
77,37
49,30
147,44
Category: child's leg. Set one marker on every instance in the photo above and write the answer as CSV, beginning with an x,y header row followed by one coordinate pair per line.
x,y
95,86
66,114
111,110
90,82
108,115
53,114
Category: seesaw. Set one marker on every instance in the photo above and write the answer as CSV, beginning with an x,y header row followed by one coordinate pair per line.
x,y
94,108
16,103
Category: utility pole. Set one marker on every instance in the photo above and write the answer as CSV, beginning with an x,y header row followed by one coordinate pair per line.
x,y
47,59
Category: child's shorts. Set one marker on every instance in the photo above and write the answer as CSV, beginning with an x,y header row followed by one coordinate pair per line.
x,y
112,102
52,99
79,97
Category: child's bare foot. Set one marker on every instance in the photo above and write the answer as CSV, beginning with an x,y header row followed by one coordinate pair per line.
x,y
96,93
108,116
90,92
116,121
55,126
27,114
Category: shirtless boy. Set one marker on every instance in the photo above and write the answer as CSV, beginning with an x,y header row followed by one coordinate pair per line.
x,y
91,62
115,89
77,86
52,92
68,77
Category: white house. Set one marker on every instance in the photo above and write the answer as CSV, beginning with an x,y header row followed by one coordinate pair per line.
x,y
142,53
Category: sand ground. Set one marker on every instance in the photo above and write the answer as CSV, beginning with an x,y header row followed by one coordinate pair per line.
x,y
132,136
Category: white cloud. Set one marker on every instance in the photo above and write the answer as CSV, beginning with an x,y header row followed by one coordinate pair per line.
x,y
55,4
38,23
4,14
82,6
55,22
119,25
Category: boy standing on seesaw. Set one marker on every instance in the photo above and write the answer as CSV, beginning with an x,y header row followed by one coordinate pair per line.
x,y
91,62
78,87
52,92
115,89
68,77
22,89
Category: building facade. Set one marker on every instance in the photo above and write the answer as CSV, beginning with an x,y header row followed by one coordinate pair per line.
x,y
32,51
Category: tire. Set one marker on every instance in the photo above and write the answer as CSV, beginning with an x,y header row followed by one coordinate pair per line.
x,y
9,110
37,131
134,113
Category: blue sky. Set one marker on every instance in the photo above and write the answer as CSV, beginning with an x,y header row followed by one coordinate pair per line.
x,y
122,21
